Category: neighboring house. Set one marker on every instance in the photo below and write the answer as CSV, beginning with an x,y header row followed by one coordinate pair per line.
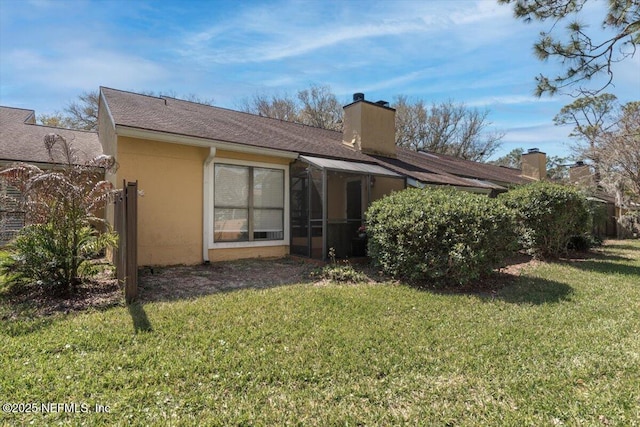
x,y
609,222
22,140
221,184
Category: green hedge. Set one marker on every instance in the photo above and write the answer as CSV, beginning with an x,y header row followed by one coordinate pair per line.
x,y
441,235
548,216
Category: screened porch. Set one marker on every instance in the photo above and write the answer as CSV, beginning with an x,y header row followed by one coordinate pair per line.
x,y
328,202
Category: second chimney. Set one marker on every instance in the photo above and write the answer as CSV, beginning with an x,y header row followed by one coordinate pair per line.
x,y
580,174
534,164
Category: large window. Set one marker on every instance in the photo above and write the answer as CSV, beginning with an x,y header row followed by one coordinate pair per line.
x,y
248,203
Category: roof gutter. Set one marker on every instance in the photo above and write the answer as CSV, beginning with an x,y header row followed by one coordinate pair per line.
x,y
173,138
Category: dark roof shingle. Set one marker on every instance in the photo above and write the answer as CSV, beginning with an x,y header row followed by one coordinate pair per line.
x,y
23,140
204,121
186,118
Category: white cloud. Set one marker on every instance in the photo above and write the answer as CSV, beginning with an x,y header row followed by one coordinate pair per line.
x,y
86,71
509,100
536,134
203,44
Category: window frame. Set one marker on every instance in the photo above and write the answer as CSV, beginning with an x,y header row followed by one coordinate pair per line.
x,y
213,244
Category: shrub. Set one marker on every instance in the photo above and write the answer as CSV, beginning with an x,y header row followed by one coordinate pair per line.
x,y
42,253
341,272
442,235
63,231
548,215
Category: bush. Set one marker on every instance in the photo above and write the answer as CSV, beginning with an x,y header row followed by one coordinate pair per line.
x,y
341,272
42,253
548,215
442,235
60,205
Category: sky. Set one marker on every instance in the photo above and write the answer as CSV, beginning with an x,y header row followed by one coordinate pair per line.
x,y
467,51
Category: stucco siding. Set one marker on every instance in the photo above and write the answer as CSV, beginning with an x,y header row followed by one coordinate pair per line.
x,y
170,211
384,186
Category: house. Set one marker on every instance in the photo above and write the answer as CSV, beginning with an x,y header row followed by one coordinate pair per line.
x,y
22,140
221,184
609,217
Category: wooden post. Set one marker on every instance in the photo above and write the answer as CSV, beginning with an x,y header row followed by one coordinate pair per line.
x,y
131,234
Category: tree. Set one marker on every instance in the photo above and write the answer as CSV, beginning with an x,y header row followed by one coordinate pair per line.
x,y
591,117
63,231
558,168
82,114
320,108
56,120
316,106
447,128
513,159
618,154
583,55
277,107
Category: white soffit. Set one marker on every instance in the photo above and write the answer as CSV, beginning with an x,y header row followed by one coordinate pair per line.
x,y
345,166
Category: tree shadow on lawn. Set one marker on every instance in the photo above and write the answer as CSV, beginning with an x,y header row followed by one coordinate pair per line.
x,y
604,266
534,290
512,289
622,246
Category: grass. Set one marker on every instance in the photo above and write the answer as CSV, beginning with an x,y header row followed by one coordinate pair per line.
x,y
561,345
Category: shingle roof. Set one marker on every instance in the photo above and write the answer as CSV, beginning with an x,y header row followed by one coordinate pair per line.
x,y
408,168
191,119
444,164
22,140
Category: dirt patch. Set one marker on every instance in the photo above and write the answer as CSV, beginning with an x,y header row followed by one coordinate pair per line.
x,y
515,264
181,282
100,293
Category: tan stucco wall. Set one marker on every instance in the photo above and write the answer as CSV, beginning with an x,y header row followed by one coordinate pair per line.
x,y
384,186
170,211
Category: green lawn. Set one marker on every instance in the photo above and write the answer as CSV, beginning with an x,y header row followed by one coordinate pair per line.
x,y
561,346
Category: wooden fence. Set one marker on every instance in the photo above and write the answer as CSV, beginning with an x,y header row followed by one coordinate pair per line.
x,y
126,225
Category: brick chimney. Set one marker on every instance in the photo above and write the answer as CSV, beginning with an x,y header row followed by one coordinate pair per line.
x,y
370,126
534,164
580,174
